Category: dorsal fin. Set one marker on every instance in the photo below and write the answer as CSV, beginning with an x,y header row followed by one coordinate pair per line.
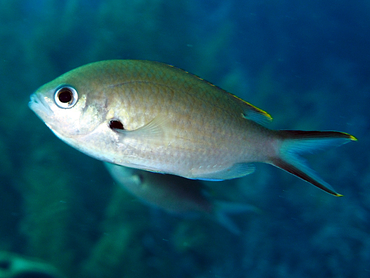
x,y
252,112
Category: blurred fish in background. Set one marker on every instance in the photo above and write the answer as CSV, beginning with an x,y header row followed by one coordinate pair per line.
x,y
177,195
16,266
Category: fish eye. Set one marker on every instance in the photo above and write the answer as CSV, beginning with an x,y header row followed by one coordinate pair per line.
x,y
66,97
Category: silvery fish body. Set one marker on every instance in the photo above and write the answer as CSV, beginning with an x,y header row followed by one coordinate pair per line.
x,y
155,117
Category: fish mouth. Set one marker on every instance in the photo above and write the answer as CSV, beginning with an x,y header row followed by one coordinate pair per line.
x,y
40,106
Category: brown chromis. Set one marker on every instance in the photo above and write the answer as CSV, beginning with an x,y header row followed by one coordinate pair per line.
x,y
155,117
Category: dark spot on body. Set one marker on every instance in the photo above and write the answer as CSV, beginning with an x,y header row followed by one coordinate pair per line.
x,y
116,124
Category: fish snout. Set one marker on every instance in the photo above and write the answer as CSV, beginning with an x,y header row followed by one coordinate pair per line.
x,y
38,105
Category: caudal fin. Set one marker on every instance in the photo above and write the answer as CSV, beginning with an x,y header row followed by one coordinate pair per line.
x,y
295,143
223,209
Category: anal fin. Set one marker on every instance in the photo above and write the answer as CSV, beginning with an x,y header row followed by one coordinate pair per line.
x,y
236,171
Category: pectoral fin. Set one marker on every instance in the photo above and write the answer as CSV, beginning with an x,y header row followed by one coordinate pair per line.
x,y
154,129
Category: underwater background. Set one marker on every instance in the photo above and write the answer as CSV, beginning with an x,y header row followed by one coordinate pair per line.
x,y
306,63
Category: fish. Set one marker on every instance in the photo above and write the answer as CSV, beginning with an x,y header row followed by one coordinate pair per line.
x,y
156,117
176,195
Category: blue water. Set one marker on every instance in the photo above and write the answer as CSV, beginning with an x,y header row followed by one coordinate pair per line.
x,y
304,62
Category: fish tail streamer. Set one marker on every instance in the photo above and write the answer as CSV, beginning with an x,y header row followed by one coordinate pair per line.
x,y
296,143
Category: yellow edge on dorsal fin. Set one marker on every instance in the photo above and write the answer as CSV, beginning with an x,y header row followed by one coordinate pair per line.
x,y
258,111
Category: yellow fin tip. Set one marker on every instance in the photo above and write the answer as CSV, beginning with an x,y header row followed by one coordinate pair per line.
x,y
267,115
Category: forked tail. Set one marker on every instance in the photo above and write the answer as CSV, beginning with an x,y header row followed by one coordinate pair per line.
x,y
295,143
224,209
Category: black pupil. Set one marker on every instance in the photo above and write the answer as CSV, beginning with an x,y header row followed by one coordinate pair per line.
x,y
65,96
